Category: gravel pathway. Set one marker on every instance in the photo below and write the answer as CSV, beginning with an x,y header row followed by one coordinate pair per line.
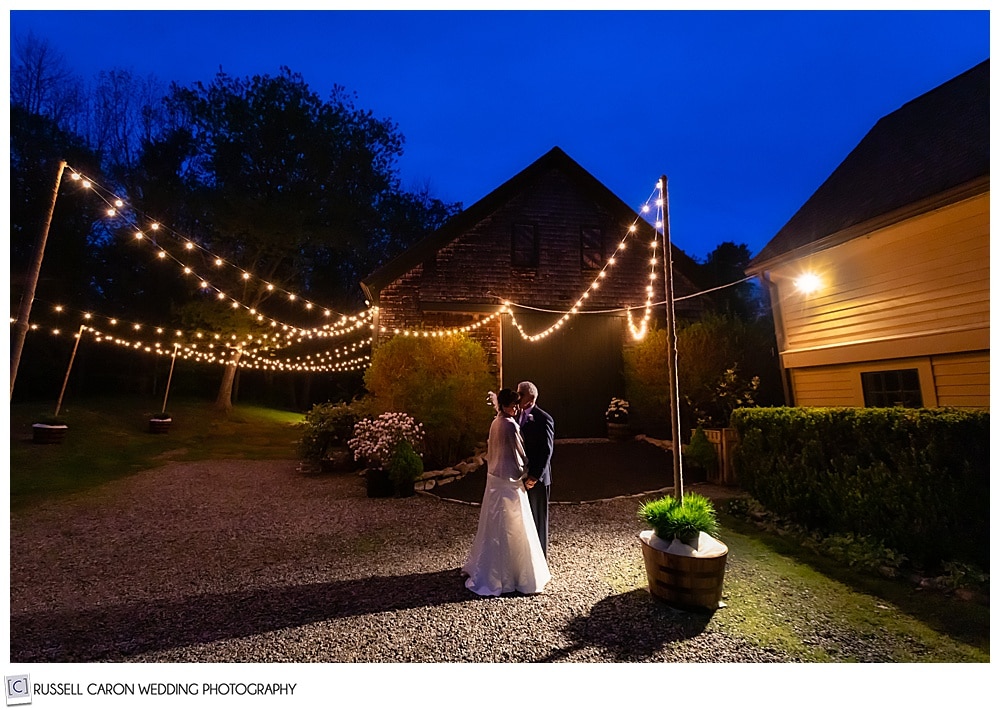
x,y
249,561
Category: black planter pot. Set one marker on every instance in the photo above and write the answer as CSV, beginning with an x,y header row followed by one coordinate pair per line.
x,y
378,484
405,490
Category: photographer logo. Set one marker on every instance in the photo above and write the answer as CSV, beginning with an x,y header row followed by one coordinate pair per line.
x,y
18,689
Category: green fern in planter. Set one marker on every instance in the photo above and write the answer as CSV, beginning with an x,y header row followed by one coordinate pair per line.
x,y
670,518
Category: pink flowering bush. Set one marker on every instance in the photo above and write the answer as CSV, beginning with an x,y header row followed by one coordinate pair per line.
x,y
375,440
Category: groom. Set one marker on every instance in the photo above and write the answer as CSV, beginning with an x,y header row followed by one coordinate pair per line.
x,y
538,434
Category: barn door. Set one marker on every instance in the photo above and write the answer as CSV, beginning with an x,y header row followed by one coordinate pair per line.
x,y
577,368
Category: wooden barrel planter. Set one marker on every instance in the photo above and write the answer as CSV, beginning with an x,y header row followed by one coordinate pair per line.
x,y
684,581
159,426
48,433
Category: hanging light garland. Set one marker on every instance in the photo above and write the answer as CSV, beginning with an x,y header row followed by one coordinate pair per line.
x,y
285,337
117,207
443,332
221,353
637,331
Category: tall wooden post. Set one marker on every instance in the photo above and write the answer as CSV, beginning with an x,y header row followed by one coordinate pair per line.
x,y
72,357
24,312
169,377
668,279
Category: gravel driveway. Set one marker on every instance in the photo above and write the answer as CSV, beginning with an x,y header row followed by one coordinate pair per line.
x,y
254,561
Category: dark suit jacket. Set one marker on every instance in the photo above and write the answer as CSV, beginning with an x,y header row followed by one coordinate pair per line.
x,y
539,433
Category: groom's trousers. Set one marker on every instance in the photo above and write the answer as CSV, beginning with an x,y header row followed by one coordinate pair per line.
x,y
538,499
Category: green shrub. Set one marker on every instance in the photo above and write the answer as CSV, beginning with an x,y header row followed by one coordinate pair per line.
x,y
723,363
918,480
405,465
858,551
328,425
701,452
441,382
670,518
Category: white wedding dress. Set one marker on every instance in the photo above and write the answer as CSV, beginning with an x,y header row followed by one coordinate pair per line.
x,y
506,555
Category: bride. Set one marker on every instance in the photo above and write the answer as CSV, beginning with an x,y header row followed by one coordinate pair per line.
x,y
506,555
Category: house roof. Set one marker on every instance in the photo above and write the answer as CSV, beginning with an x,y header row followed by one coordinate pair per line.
x,y
935,144
467,219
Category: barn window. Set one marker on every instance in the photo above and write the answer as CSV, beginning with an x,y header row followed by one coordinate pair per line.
x,y
591,248
892,388
524,246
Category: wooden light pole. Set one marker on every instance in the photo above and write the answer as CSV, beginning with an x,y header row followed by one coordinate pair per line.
x,y
72,357
668,278
170,377
24,312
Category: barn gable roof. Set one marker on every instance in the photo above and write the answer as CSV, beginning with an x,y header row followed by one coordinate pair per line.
x,y
934,148
464,221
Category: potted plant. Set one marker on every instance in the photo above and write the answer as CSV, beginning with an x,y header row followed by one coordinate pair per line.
x,y
376,441
328,428
701,455
160,423
49,429
685,564
616,417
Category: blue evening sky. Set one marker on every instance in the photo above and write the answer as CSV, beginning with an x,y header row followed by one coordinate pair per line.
x,y
746,112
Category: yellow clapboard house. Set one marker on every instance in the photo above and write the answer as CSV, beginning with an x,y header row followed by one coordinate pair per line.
x,y
880,283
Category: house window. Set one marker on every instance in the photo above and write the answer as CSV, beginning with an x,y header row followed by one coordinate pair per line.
x,y
591,248
892,388
524,246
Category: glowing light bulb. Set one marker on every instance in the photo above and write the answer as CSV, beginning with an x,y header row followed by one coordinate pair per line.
x,y
808,283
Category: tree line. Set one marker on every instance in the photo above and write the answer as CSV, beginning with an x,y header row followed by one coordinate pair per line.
x,y
299,190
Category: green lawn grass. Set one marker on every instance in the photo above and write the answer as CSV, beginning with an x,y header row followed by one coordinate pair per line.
x,y
769,575
109,439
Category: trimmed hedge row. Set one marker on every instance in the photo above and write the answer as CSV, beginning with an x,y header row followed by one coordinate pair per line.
x,y
918,479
